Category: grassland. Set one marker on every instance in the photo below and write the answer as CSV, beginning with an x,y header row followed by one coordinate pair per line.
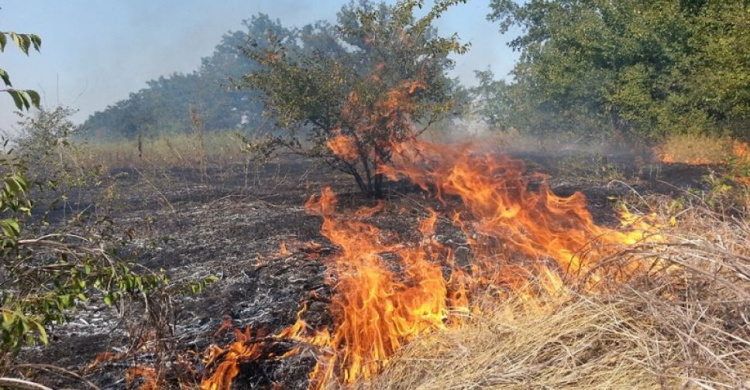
x,y
198,206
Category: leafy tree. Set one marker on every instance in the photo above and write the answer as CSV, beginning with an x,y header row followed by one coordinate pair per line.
x,y
490,99
645,68
345,93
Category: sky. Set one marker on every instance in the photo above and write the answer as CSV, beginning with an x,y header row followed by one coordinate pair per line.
x,y
96,52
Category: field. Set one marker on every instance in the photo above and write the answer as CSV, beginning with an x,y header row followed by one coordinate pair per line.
x,y
682,323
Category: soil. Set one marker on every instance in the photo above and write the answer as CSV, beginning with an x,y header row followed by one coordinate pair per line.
x,y
233,228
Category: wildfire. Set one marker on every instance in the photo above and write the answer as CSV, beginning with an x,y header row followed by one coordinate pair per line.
x,y
343,146
523,239
385,294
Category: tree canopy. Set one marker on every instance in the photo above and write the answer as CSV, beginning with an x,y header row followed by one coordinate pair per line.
x,y
645,68
163,106
345,92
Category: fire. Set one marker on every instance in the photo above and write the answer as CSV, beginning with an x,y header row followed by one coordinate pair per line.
x,y
523,238
343,146
498,195
283,251
377,310
386,294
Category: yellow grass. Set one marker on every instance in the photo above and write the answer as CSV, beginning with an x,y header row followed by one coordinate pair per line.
x,y
695,149
688,328
166,151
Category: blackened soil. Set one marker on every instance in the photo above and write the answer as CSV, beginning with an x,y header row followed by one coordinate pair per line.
x,y
233,227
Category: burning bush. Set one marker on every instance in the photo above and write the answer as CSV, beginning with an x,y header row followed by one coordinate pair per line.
x,y
342,96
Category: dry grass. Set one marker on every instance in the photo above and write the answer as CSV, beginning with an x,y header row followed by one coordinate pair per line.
x,y
695,149
184,151
686,328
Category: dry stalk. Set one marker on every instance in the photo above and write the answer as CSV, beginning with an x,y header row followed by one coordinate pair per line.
x,y
196,120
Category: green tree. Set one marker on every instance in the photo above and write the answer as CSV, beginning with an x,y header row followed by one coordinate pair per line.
x,y
345,93
646,68
490,99
163,106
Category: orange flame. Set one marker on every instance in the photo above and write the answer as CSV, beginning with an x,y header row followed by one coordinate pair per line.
x,y
379,305
524,239
343,146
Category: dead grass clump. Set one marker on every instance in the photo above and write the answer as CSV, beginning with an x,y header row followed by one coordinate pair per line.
x,y
686,327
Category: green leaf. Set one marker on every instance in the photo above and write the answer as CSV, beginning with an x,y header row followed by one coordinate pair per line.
x,y
6,78
10,227
19,98
65,300
26,42
8,319
18,41
3,41
37,41
42,333
35,98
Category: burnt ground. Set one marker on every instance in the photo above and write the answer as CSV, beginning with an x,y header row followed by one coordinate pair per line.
x,y
233,228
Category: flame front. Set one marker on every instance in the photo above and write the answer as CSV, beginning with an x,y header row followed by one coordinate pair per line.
x,y
523,240
375,309
386,293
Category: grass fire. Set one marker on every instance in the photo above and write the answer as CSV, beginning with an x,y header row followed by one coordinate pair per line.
x,y
334,205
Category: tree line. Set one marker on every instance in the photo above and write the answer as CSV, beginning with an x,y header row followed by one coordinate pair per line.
x,y
595,69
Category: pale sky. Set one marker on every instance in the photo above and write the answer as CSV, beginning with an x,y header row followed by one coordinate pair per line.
x,y
96,52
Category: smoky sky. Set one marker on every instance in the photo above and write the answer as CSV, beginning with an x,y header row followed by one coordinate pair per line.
x,y
96,52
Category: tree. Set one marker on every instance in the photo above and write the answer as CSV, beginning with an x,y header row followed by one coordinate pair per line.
x,y
346,93
163,106
490,99
646,68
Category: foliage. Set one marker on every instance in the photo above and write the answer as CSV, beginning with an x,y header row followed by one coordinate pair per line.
x,y
44,276
356,86
645,68
23,99
490,98
44,131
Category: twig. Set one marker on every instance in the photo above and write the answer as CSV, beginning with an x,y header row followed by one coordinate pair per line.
x,y
21,384
49,367
164,198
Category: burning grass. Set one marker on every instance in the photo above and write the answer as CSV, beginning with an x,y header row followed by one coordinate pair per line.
x,y
549,300
688,328
528,244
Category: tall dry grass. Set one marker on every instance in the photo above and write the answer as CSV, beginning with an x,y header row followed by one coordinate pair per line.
x,y
688,327
182,150
696,149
